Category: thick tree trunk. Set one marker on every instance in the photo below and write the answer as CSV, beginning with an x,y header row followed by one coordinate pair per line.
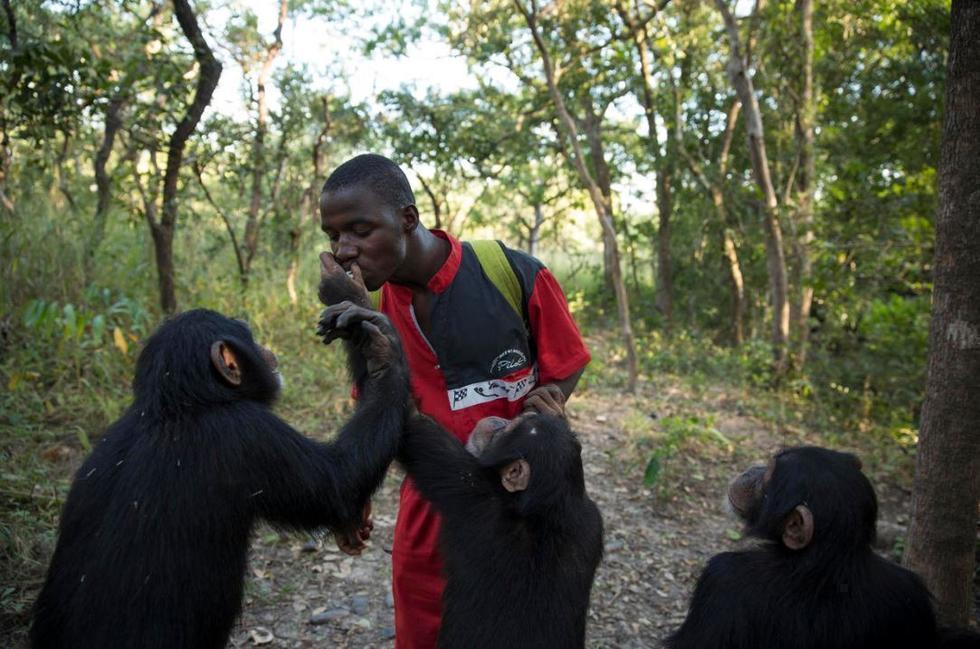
x,y
775,256
163,233
598,201
942,536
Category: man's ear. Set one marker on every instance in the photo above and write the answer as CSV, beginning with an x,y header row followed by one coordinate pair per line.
x,y
410,218
223,359
798,528
515,476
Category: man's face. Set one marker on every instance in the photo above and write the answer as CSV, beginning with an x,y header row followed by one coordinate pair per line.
x,y
365,230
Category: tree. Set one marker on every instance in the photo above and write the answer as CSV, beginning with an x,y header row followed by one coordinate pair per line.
x,y
162,229
600,202
738,69
942,535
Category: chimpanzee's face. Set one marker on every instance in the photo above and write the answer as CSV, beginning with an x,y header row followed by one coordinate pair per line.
x,y
365,230
746,492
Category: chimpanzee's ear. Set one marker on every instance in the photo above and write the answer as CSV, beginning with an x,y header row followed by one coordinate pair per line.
x,y
798,528
224,360
515,476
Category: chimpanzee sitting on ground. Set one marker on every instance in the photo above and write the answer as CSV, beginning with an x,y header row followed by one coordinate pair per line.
x,y
154,535
521,539
816,584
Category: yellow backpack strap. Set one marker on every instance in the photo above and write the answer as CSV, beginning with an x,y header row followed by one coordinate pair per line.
x,y
494,262
375,297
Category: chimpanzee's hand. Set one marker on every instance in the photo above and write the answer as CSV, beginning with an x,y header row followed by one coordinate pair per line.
x,y
546,399
337,285
369,331
354,541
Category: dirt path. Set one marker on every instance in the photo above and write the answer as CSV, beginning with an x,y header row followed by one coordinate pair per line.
x,y
657,540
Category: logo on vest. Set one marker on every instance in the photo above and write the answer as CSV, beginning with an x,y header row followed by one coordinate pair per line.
x,y
510,360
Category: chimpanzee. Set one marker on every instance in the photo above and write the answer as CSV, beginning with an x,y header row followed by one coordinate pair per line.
x,y
815,583
521,539
154,535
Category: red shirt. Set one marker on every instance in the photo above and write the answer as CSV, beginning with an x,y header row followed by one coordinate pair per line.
x,y
481,361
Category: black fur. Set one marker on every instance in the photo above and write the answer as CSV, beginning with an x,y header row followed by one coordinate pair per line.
x,y
154,535
835,593
519,566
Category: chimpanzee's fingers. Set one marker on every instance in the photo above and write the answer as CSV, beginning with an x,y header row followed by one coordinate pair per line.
x,y
355,314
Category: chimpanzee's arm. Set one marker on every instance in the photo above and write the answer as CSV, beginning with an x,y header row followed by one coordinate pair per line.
x,y
314,484
444,472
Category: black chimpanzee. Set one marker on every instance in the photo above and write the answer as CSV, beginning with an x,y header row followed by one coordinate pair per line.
x,y
154,535
816,583
521,539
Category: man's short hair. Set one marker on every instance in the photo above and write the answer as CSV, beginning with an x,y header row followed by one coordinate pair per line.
x,y
376,173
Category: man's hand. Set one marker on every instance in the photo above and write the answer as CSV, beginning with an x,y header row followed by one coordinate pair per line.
x,y
354,542
337,285
546,399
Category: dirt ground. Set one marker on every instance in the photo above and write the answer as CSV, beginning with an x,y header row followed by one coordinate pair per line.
x,y
307,594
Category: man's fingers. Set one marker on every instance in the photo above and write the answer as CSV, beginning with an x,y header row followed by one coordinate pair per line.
x,y
355,271
329,265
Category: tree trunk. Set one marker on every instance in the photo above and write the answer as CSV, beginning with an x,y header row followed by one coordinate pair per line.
x,y
534,233
592,125
665,273
103,182
6,153
163,233
775,259
253,223
598,201
805,118
664,301
942,535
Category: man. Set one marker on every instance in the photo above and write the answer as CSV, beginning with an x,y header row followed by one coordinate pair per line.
x,y
471,354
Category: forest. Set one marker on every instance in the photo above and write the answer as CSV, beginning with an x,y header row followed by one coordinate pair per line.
x,y
743,202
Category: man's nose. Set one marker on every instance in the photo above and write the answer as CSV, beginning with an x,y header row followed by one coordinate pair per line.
x,y
345,251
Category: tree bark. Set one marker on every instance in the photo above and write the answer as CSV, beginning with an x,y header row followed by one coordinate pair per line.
x,y
942,535
775,257
163,231
598,201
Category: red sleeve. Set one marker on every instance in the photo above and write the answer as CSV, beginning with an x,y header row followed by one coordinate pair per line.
x,y
560,349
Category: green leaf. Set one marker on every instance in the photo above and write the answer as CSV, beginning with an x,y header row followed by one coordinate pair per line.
x,y
652,471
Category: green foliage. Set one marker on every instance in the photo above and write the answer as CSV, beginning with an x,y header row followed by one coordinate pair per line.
x,y
676,432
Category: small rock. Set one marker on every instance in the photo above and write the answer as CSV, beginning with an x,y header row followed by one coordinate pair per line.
x,y
360,605
614,546
390,599
328,615
260,635
387,633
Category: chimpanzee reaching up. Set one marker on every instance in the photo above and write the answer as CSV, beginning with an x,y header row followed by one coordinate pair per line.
x,y
154,535
816,583
521,539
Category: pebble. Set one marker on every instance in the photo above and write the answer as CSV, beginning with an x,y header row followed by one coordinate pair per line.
x,y
328,615
360,605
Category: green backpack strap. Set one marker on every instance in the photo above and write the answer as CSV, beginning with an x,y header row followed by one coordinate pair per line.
x,y
375,297
494,262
